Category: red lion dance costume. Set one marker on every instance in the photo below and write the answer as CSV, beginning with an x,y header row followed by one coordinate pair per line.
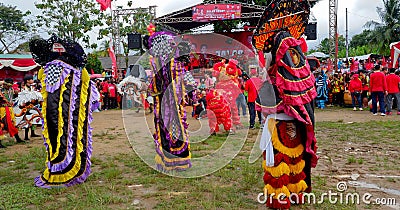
x,y
222,100
288,140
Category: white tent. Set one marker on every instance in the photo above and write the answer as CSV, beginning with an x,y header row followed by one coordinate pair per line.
x,y
318,55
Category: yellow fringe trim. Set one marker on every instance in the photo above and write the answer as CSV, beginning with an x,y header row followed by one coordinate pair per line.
x,y
60,178
297,168
297,188
277,171
41,77
291,152
158,160
278,192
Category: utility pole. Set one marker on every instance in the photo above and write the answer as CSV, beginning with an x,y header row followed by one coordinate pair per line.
x,y
333,38
347,36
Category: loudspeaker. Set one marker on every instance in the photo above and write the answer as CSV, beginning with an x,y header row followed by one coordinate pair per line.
x,y
311,31
134,41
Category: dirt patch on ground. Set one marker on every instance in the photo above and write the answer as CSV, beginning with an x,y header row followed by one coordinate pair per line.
x,y
111,130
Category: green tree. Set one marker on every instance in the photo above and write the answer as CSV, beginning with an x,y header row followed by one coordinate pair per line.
x,y
94,63
13,27
361,39
102,50
387,31
71,19
324,45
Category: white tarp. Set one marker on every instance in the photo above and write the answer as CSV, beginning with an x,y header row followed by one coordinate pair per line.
x,y
318,55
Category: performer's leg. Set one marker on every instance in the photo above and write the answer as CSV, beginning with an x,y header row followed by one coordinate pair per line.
x,y
33,134
26,134
19,140
259,117
252,111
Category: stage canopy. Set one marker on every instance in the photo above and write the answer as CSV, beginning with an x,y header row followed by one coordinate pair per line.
x,y
182,21
17,62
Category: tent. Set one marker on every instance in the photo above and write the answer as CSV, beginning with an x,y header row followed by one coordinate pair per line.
x,y
394,54
318,55
16,66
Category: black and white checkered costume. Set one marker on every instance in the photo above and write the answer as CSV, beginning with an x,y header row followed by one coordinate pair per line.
x,y
53,74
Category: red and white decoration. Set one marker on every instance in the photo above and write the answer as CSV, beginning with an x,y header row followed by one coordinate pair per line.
x,y
19,64
394,54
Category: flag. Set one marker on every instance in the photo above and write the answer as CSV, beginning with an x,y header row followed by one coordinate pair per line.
x,y
114,61
104,4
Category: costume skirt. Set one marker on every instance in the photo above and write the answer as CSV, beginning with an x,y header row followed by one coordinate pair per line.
x,y
289,176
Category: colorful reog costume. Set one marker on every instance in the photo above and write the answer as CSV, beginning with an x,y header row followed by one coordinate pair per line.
x,y
288,140
168,90
69,97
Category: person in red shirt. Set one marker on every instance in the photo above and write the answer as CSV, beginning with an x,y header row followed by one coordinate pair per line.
x,y
104,92
378,90
355,88
252,86
393,82
112,94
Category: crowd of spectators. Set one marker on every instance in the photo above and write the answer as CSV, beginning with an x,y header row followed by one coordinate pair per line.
x,y
356,84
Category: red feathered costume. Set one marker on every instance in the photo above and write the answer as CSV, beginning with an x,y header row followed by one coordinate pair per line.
x,y
228,88
218,112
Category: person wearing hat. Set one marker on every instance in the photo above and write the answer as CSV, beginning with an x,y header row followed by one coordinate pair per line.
x,y
378,90
7,117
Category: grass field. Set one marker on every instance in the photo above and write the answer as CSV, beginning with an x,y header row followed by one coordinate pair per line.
x,y
124,181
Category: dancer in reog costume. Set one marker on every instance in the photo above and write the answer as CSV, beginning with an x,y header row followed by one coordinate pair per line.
x,y
69,99
228,88
288,140
168,90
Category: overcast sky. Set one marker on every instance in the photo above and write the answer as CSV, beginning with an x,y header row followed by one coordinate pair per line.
x,y
360,11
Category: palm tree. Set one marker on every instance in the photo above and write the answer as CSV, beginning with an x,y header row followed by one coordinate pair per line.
x,y
387,31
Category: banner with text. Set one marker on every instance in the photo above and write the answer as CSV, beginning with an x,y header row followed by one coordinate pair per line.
x,y
208,12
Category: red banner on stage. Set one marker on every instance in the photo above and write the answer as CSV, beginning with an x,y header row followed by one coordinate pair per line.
x,y
224,45
216,12
209,48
